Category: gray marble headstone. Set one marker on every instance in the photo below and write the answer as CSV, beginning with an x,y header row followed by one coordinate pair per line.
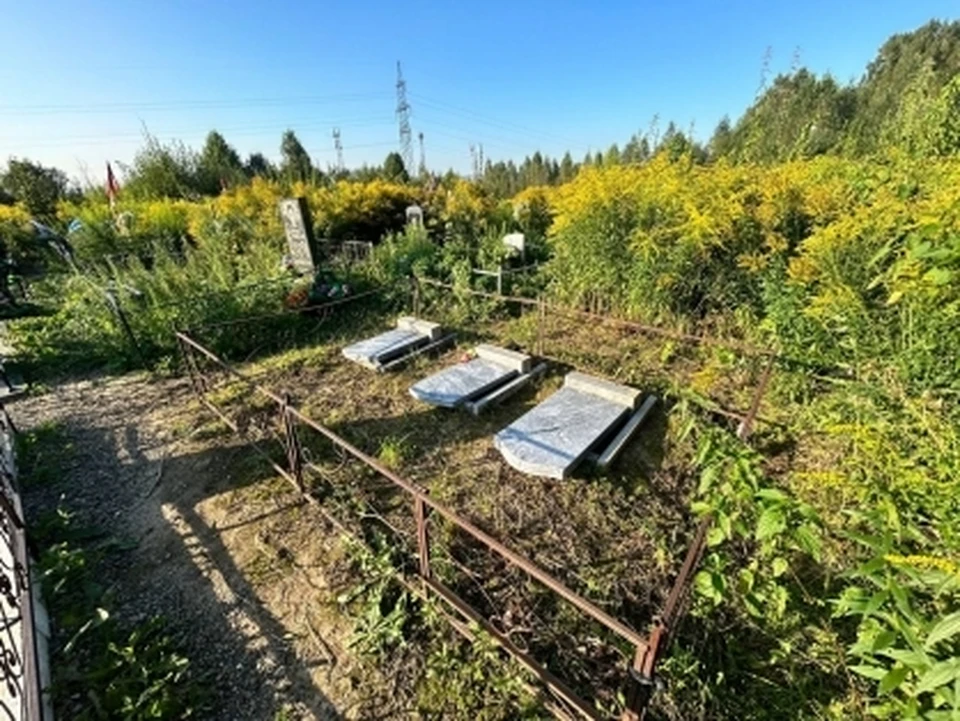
x,y
553,437
299,231
381,348
461,382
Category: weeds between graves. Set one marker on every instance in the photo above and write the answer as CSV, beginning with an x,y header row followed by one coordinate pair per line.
x,y
762,612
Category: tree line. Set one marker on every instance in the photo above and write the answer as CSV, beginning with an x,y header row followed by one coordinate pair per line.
x,y
908,99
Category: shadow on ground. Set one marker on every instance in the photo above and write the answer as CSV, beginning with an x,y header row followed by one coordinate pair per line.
x,y
209,540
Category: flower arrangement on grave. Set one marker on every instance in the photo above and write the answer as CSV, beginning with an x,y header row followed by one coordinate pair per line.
x,y
322,288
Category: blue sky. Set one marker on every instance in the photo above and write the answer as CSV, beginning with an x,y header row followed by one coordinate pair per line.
x,y
81,79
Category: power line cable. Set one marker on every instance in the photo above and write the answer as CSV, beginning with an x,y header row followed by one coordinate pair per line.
x,y
128,106
441,106
223,130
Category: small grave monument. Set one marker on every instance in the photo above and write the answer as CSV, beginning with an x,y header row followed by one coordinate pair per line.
x,y
516,242
415,216
462,382
411,334
298,228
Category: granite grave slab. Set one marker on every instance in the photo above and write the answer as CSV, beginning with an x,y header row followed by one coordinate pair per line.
x,y
410,334
553,437
453,386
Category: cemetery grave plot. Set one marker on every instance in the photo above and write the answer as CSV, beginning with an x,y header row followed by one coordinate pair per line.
x,y
618,538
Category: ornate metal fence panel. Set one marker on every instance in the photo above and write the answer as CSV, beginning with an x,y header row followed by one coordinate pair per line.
x,y
20,694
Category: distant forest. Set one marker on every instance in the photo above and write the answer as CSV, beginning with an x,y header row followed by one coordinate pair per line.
x,y
907,101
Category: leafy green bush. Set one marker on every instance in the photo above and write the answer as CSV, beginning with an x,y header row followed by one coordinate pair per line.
x,y
758,530
908,629
402,255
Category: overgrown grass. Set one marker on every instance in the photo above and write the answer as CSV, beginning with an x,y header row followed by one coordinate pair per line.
x,y
442,675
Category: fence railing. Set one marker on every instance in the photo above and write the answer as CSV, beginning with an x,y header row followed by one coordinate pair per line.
x,y
290,421
20,692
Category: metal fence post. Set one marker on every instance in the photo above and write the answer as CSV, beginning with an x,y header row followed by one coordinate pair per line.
x,y
292,443
416,297
746,427
541,320
114,302
423,537
186,352
642,683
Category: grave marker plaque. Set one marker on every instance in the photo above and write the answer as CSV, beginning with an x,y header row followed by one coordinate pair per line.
x,y
298,228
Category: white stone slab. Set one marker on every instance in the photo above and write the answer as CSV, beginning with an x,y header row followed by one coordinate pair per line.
x,y
381,348
553,437
520,362
461,382
431,330
613,392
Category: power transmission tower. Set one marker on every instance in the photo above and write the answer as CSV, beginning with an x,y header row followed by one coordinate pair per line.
x,y
765,69
339,147
423,156
795,61
480,162
473,161
403,119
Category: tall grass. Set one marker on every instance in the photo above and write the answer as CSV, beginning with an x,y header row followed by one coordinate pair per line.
x,y
212,282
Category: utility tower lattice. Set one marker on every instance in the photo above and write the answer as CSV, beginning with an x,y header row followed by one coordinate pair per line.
x,y
765,69
403,119
339,147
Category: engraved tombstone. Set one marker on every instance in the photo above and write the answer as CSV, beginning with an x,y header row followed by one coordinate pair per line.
x,y
299,231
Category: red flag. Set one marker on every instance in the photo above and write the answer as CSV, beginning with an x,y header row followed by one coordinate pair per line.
x,y
113,188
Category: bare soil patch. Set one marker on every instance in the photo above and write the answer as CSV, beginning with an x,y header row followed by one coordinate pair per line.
x,y
200,532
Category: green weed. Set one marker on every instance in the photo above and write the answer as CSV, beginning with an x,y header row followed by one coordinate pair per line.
x,y
41,452
101,669
394,451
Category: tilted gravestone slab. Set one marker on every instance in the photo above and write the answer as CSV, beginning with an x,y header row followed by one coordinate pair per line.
x,y
384,347
461,382
553,437
298,228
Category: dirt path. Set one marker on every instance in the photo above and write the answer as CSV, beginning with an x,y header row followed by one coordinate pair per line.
x,y
207,539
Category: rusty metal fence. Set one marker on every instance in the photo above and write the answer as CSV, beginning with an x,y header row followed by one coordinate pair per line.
x,y
288,459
